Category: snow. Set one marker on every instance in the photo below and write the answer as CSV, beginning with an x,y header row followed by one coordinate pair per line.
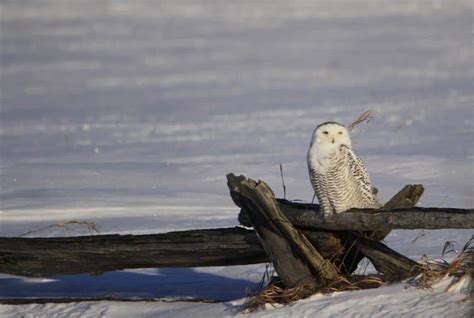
x,y
130,114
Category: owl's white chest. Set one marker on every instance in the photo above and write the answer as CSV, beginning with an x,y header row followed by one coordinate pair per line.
x,y
320,157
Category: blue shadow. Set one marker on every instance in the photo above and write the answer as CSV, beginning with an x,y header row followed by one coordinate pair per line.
x,y
165,282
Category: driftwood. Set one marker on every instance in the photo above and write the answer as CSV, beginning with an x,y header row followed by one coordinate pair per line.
x,y
296,260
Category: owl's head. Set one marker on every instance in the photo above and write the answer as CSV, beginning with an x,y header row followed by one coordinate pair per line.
x,y
331,135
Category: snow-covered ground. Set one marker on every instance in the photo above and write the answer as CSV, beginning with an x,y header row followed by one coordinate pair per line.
x,y
130,114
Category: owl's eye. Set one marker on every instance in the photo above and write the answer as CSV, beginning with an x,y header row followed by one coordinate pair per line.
x,y
340,133
325,132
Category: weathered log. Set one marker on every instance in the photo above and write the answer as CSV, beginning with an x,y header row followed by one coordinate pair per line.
x,y
307,216
356,246
296,260
346,253
392,264
353,251
215,247
102,253
265,215
407,197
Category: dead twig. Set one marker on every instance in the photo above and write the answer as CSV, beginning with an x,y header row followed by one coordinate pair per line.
x,y
283,181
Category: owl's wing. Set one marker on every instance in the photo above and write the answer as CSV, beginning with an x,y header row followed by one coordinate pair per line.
x,y
319,185
358,173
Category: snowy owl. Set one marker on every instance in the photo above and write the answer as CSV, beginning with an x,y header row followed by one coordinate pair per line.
x,y
338,176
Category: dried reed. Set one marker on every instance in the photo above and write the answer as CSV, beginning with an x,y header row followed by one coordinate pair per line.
x,y
91,226
365,117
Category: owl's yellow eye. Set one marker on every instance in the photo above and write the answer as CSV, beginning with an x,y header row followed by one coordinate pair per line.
x,y
325,132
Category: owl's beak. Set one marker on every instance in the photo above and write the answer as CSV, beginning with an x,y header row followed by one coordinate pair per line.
x,y
333,140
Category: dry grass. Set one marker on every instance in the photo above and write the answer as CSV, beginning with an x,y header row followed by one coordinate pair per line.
x,y
364,118
435,270
90,226
276,293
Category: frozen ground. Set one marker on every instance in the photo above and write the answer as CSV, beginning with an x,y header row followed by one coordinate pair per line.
x,y
129,114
